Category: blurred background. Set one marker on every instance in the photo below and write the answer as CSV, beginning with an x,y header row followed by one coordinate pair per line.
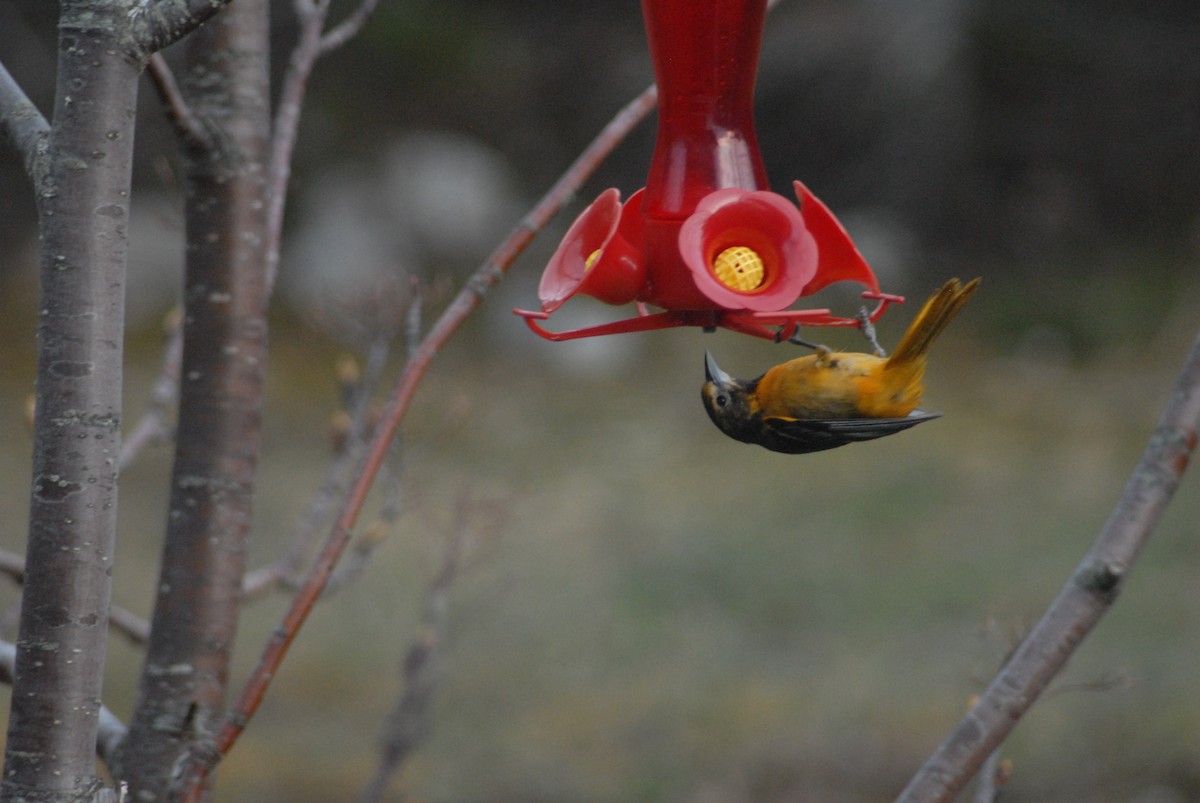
x,y
655,612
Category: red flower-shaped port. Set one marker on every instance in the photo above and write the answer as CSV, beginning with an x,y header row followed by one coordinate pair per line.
x,y
705,241
748,250
597,255
838,258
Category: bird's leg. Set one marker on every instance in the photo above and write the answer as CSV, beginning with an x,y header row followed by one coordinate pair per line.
x,y
808,344
824,355
868,329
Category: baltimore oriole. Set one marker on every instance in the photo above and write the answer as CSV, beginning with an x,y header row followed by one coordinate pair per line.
x,y
828,399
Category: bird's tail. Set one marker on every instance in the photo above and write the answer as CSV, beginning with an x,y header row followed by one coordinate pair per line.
x,y
938,311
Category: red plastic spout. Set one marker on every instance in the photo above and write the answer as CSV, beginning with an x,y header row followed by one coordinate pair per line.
x,y
705,55
598,255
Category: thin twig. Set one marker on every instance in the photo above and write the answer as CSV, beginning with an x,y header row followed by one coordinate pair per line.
x,y
468,299
304,8
13,565
24,126
129,624
188,125
345,30
152,425
409,724
309,47
412,319
1084,599
287,122
206,755
358,394
352,566
364,546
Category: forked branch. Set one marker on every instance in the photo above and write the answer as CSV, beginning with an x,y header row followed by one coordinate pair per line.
x,y
190,128
158,25
1084,599
468,299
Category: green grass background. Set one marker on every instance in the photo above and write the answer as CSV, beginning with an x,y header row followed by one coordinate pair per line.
x,y
663,614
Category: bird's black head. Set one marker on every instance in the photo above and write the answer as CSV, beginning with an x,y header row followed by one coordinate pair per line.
x,y
730,403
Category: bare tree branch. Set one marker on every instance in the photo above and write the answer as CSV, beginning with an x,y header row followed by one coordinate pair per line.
x,y
129,624
24,126
152,425
1081,603
13,565
188,126
181,693
409,724
83,206
303,8
287,123
488,275
157,24
348,28
313,42
374,534
110,734
358,388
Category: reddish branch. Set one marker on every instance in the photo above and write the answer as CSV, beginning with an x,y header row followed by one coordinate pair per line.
x,y
358,388
486,277
1084,599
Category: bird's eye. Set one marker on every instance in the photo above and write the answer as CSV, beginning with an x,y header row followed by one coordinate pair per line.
x,y
722,399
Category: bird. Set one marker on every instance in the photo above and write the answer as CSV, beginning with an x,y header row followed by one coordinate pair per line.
x,y
831,398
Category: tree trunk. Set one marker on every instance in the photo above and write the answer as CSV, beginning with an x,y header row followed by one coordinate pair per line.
x,y
83,206
182,689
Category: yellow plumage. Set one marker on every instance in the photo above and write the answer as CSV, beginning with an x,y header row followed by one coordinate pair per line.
x,y
832,384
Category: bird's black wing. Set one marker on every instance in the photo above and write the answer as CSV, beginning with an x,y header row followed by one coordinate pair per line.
x,y
802,435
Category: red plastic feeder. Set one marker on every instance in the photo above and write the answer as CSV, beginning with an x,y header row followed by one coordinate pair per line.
x,y
706,240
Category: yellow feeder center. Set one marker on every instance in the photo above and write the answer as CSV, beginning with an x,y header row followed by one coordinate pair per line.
x,y
739,268
591,260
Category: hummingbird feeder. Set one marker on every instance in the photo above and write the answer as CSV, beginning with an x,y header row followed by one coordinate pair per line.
x,y
705,240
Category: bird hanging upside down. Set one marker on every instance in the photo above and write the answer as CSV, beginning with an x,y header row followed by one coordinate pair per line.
x,y
829,399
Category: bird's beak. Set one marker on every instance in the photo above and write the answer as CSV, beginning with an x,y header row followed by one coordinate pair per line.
x,y
713,372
